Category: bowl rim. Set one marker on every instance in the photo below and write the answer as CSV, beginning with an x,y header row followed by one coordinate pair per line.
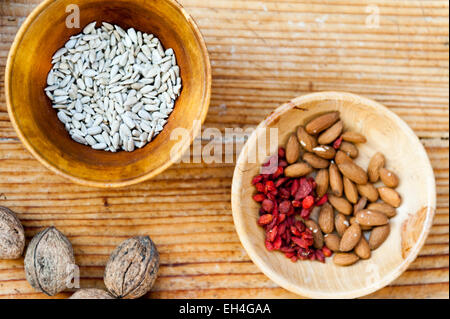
x,y
282,281
193,133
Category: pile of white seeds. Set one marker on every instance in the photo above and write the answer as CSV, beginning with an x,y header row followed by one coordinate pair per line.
x,y
113,89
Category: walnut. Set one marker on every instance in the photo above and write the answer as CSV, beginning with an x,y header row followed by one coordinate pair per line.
x,y
132,268
91,293
49,261
12,236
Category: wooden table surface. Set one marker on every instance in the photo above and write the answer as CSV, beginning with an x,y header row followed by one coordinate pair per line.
x,y
263,53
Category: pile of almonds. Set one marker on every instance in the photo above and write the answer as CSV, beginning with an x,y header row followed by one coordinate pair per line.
x,y
354,213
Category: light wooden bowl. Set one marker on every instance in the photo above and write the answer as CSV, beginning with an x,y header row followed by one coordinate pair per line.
x,y
405,155
44,135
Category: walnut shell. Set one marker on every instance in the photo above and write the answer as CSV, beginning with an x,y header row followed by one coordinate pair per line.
x,y
91,293
49,261
132,268
12,236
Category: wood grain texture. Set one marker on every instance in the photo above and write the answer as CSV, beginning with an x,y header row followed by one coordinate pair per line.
x,y
263,53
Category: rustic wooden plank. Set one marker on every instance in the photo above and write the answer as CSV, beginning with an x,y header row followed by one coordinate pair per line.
x,y
263,53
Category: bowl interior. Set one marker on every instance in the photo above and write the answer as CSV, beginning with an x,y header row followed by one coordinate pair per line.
x,y
405,155
36,121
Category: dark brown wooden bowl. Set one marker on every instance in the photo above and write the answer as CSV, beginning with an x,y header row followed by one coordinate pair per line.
x,y
35,120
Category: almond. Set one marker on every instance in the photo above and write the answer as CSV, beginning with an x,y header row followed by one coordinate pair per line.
x,y
349,149
345,259
341,223
353,172
376,162
331,134
389,178
317,233
354,137
369,191
322,122
354,221
332,241
350,190
315,161
322,181
297,170
368,217
307,141
335,180
350,238
341,204
361,204
292,149
378,236
341,157
362,249
326,218
324,151
384,208
390,196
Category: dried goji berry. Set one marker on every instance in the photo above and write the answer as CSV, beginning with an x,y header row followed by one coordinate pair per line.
x,y
259,187
265,219
270,186
326,251
257,179
280,181
271,234
278,172
294,187
296,203
259,197
284,206
282,163
281,218
304,189
281,152
277,243
320,256
305,213
267,205
308,202
322,200
337,143
269,245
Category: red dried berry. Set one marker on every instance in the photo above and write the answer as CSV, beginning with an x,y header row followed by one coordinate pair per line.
x,y
269,245
271,234
326,251
337,143
281,152
270,186
285,206
308,202
294,187
277,243
259,197
282,163
267,205
278,172
322,200
280,181
265,219
259,187
296,203
305,213
257,179
320,256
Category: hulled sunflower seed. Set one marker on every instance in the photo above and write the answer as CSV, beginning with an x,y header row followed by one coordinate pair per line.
x,y
113,88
